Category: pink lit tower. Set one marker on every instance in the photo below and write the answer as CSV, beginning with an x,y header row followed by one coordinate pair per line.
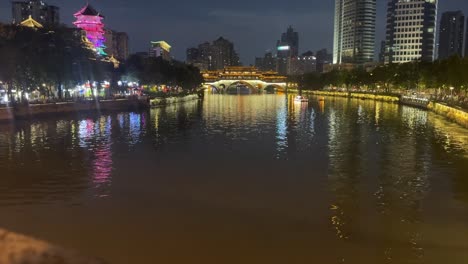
x,y
89,20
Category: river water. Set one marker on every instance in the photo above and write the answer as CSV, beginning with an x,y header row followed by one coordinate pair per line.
x,y
242,179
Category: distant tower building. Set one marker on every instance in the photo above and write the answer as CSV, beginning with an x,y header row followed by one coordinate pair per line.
x,y
411,28
382,52
354,33
117,44
323,59
291,39
46,15
213,56
283,54
193,55
286,48
223,54
90,20
122,48
305,63
160,49
452,31
267,63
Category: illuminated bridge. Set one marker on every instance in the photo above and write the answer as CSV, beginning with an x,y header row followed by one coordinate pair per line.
x,y
238,79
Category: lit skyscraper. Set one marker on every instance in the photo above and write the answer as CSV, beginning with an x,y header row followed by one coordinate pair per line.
x,y
354,36
411,27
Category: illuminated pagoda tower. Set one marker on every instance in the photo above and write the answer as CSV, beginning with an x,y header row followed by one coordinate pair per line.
x,y
89,20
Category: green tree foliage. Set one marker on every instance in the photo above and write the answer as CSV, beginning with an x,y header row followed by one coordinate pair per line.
x,y
442,75
156,71
46,60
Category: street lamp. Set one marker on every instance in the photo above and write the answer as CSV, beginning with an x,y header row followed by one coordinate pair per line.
x,y
451,91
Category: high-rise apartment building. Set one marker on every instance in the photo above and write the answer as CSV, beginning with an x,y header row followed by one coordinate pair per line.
x,y
160,49
267,62
305,63
213,56
411,28
290,38
116,44
354,33
323,59
223,54
47,15
286,48
452,31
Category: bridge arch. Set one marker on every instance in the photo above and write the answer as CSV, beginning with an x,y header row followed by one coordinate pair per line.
x,y
236,87
212,88
272,87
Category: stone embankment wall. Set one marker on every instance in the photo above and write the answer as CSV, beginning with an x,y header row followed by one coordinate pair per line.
x,y
367,96
19,249
172,100
26,111
6,114
458,116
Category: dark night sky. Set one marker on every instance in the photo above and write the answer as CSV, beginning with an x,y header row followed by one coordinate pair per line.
x,y
253,25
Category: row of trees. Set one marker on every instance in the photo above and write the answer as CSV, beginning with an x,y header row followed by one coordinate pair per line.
x,y
46,61
150,71
442,74
50,61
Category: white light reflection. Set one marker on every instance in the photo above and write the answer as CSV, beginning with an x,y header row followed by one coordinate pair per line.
x,y
281,128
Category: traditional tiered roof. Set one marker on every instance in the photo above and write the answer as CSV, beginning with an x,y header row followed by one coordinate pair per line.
x,y
88,10
30,22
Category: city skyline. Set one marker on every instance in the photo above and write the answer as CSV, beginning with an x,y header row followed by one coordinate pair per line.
x,y
253,27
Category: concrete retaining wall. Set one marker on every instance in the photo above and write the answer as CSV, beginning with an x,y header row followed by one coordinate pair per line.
x,y
377,97
19,249
63,108
458,116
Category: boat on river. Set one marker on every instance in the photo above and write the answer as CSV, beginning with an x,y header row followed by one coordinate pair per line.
x,y
301,99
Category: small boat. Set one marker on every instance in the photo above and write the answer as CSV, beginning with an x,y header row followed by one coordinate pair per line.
x,y
301,99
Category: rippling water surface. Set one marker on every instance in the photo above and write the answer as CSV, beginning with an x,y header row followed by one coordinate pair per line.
x,y
243,179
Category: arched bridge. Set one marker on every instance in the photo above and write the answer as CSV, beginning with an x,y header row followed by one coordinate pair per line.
x,y
243,80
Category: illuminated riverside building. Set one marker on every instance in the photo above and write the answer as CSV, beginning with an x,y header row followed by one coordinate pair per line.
x,y
90,21
252,77
160,49
451,34
46,15
354,32
411,27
